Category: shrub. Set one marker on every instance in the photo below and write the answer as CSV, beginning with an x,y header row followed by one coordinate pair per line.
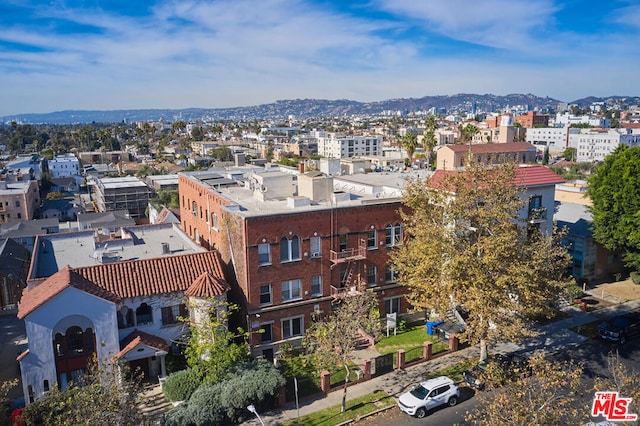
x,y
635,277
574,292
180,386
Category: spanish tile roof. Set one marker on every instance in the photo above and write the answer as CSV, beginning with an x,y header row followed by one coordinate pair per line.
x,y
55,284
207,285
526,176
484,148
137,337
146,277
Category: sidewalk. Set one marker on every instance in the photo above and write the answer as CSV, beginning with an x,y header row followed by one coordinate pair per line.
x,y
554,336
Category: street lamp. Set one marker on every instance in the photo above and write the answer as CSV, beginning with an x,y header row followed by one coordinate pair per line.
x,y
252,408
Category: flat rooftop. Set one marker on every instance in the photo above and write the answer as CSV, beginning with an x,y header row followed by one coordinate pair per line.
x,y
85,248
121,182
348,191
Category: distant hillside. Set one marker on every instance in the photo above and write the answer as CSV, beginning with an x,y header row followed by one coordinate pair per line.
x,y
308,108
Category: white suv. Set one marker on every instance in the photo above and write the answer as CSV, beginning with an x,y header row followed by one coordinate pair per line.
x,y
428,395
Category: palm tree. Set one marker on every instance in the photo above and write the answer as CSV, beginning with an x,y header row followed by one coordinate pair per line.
x,y
409,142
431,125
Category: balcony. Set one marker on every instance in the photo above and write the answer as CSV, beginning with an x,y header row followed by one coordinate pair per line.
x,y
537,215
348,255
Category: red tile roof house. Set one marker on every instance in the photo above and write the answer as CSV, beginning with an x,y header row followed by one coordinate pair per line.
x,y
123,311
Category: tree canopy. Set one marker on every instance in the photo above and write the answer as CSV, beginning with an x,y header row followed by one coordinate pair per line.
x,y
614,190
334,338
468,244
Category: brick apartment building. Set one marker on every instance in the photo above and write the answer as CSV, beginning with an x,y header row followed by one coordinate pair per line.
x,y
293,255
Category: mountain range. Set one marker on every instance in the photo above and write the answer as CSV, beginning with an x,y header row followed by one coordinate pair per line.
x,y
317,108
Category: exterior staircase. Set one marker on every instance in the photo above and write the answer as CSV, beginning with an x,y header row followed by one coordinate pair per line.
x,y
154,404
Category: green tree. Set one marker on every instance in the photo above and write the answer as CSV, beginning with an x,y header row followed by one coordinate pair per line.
x,y
545,156
469,244
550,395
212,348
334,338
431,125
221,153
410,143
104,396
614,190
569,153
467,133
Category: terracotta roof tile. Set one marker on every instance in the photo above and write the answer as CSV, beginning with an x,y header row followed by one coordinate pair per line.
x,y
138,337
483,148
61,280
153,276
525,176
207,285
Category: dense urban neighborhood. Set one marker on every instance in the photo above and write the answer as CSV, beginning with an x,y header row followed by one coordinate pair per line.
x,y
250,267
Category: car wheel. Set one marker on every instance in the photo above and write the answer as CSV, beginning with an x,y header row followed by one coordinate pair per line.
x,y
452,401
421,413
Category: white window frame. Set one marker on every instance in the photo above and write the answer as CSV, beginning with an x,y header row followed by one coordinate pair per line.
x,y
372,271
214,221
318,283
375,239
393,235
261,252
290,322
289,244
390,275
291,290
270,293
315,247
388,303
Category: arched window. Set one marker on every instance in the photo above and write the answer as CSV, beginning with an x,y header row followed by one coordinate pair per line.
x,y
143,314
290,249
125,317
58,343
75,341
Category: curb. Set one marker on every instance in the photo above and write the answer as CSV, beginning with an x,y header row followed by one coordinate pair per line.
x,y
364,416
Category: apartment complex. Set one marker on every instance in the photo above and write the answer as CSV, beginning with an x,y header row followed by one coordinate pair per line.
x,y
334,146
64,165
596,144
297,242
453,157
19,200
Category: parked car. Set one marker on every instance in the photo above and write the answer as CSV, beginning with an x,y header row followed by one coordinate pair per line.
x,y
428,395
621,327
503,368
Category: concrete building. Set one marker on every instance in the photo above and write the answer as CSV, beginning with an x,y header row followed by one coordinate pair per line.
x,y
163,182
567,119
596,144
453,157
554,138
297,242
334,146
64,165
19,200
124,193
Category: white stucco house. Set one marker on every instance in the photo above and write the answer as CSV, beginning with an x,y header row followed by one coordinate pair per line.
x,y
119,312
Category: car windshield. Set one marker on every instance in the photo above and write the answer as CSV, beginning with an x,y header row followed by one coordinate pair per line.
x,y
420,392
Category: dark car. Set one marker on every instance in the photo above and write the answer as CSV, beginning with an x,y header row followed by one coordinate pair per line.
x,y
497,370
620,327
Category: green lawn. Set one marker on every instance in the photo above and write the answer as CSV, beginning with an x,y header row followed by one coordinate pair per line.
x,y
412,337
305,370
355,408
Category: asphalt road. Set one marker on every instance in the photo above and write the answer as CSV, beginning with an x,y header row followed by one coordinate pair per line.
x,y
592,353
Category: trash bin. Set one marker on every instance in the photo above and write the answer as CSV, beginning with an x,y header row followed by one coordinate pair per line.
x,y
431,326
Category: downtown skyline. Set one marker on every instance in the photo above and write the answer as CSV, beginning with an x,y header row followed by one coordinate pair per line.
x,y
103,55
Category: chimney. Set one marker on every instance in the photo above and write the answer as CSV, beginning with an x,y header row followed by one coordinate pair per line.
x,y
165,248
301,167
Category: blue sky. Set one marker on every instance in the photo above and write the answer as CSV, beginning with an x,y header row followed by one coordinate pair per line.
x,y
124,54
